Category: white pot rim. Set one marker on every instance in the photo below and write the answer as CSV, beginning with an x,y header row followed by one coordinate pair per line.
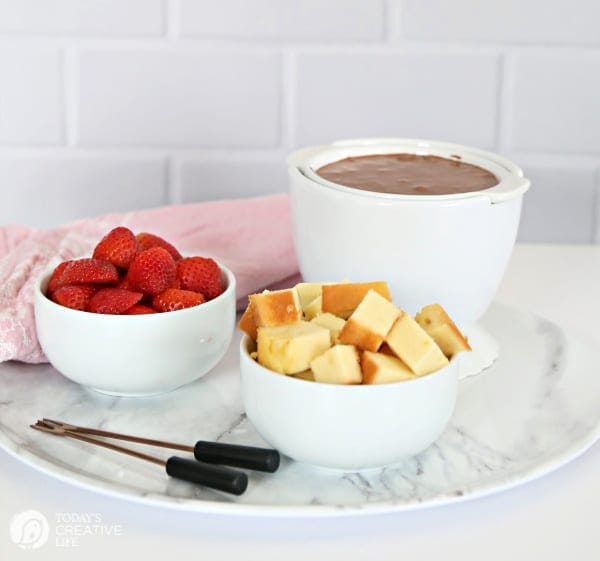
x,y
511,182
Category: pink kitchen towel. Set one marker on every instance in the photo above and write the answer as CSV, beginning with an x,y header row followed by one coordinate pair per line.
x,y
250,236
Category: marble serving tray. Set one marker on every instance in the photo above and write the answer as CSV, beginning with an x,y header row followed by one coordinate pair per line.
x,y
535,408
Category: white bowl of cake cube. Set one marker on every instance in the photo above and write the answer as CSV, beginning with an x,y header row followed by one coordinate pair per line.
x,y
338,376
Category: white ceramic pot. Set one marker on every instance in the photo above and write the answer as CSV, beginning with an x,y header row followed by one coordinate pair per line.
x,y
346,427
137,355
451,249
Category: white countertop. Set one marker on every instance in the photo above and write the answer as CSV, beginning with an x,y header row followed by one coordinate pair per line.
x,y
554,517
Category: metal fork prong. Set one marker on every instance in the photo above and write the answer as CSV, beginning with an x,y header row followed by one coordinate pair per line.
x,y
65,426
120,436
40,425
59,430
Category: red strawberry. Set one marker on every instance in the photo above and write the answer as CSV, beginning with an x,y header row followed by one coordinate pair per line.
x,y
152,271
84,271
138,309
118,247
146,241
174,299
124,283
75,297
200,274
113,301
54,281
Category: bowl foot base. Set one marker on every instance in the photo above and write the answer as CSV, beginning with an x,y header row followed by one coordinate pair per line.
x,y
129,394
484,354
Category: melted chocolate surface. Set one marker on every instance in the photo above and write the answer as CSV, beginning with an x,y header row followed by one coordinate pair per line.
x,y
408,174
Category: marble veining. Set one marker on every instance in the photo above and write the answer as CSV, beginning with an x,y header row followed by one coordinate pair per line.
x,y
534,408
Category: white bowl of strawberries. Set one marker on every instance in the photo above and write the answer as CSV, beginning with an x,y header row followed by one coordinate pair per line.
x,y
137,318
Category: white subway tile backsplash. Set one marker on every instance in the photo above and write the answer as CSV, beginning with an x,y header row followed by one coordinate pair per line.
x,y
181,98
93,17
557,102
30,95
96,97
559,206
596,239
333,20
44,191
449,97
203,180
530,21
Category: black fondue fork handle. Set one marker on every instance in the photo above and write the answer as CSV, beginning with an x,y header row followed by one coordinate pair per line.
x,y
216,477
234,455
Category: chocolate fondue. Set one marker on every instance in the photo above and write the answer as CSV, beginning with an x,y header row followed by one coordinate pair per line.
x,y
408,174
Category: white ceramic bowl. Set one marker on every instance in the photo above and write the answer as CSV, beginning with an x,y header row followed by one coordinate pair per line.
x,y
136,355
346,427
451,249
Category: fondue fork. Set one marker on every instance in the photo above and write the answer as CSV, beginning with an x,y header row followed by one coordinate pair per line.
x,y
234,455
216,477
203,473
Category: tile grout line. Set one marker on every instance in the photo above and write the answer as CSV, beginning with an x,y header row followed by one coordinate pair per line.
x,y
171,17
172,184
595,238
70,96
244,153
504,102
287,99
394,35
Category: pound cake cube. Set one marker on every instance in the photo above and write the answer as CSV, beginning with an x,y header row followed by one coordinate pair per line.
x,y
414,346
440,327
313,309
247,323
385,349
339,365
342,299
307,292
277,307
378,368
305,375
289,349
331,322
370,322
